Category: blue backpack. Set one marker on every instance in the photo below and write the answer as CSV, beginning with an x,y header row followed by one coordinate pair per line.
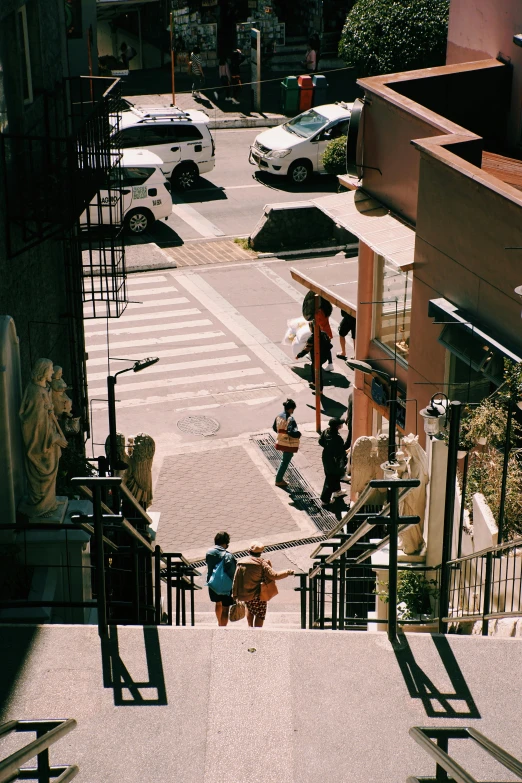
x,y
220,581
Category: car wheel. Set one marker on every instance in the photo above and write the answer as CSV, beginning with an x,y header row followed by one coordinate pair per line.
x,y
184,176
137,221
300,171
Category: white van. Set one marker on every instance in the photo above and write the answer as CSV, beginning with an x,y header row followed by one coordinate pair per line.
x,y
141,184
180,138
296,147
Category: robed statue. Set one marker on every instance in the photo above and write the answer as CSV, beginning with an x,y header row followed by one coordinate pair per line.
x,y
43,440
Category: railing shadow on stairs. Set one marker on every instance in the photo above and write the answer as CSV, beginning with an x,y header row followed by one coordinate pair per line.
x,y
47,733
117,676
425,736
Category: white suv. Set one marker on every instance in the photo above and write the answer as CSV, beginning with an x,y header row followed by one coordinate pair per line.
x,y
180,138
296,147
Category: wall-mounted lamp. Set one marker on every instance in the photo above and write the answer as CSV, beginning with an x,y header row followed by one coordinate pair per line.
x,y
433,413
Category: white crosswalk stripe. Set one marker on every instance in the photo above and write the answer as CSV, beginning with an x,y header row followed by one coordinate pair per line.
x,y
126,380
185,351
196,355
156,328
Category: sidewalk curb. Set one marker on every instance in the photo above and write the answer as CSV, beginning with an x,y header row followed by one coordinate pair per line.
x,y
308,251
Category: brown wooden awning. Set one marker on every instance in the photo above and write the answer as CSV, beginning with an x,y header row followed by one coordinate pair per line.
x,y
373,224
324,290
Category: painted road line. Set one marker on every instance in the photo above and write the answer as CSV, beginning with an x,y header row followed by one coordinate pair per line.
x,y
242,328
244,187
148,327
196,221
185,351
154,316
158,302
127,381
141,279
174,338
185,381
170,289
138,402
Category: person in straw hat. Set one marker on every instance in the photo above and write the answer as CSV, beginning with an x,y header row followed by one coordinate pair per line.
x,y
253,572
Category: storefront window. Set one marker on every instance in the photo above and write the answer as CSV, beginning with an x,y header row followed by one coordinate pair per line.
x,y
393,311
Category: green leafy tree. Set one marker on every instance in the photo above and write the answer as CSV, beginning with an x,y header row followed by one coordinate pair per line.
x,y
334,157
389,36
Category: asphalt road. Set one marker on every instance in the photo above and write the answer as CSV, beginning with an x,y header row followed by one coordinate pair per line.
x,y
229,200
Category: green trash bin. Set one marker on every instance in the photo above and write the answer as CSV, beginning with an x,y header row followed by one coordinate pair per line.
x,y
290,95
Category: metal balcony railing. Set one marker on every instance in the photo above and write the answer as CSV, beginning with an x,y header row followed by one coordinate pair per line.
x,y
47,733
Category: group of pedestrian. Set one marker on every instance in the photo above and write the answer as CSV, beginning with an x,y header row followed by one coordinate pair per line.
x,y
229,71
251,580
313,54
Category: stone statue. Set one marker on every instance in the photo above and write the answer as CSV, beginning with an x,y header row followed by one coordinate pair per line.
x,y
121,454
368,453
62,403
414,504
138,478
43,441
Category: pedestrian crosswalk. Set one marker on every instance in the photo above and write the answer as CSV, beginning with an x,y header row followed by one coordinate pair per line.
x,y
199,351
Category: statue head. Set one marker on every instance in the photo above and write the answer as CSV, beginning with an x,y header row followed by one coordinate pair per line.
x,y
42,370
57,372
143,447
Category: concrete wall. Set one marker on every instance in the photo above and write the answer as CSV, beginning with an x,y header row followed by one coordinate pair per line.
x,y
485,28
296,225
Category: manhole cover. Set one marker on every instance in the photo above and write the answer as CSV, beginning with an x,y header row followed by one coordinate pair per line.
x,y
198,425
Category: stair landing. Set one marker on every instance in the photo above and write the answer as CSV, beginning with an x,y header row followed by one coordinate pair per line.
x,y
251,706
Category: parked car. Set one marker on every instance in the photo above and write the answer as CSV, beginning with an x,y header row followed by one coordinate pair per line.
x,y
140,182
296,147
180,138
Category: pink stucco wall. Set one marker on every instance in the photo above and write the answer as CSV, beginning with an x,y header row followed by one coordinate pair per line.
x,y
485,28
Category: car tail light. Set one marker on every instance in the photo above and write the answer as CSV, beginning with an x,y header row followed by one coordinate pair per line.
x,y
213,146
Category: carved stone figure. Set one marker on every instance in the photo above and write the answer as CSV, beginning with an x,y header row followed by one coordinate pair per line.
x,y
138,478
121,454
414,504
62,404
43,441
368,453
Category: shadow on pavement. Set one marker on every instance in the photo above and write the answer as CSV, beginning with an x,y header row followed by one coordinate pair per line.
x,y
15,647
205,190
333,379
161,234
459,704
322,183
117,677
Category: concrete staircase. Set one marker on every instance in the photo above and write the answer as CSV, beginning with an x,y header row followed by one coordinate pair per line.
x,y
250,706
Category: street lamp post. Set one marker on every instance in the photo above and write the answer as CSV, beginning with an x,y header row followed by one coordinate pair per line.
x,y
139,364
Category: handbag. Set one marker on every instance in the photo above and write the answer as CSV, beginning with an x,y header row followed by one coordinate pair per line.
x,y
237,611
267,591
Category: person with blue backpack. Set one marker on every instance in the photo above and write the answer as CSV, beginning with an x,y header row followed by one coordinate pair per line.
x,y
221,569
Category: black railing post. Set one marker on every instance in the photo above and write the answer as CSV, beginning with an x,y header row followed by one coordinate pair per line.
x,y
302,588
169,589
101,597
449,510
157,585
192,612
392,562
43,767
441,776
311,603
486,604
462,505
342,590
322,596
334,596
505,466
392,422
135,582
183,597
178,591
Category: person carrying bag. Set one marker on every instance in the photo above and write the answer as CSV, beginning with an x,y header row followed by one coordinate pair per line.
x,y
255,583
288,439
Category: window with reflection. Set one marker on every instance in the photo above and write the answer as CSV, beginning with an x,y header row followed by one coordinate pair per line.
x,y
393,308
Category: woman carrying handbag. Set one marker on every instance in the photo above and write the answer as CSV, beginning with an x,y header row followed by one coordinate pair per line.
x,y
255,583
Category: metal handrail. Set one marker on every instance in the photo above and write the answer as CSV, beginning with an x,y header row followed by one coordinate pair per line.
x,y
10,767
513,544
130,529
424,736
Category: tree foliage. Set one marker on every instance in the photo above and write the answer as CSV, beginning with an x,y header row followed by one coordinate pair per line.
x,y
389,36
334,158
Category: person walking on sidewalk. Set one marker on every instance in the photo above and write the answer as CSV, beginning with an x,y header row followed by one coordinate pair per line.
x,y
218,554
254,575
224,78
287,439
325,354
347,326
198,75
334,461
321,317
236,59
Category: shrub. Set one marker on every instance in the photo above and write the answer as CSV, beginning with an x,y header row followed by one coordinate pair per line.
x,y
387,36
334,158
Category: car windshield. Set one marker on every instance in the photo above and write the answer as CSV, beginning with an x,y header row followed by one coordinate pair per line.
x,y
305,125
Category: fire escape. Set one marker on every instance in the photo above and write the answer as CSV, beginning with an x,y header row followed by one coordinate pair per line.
x,y
64,184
